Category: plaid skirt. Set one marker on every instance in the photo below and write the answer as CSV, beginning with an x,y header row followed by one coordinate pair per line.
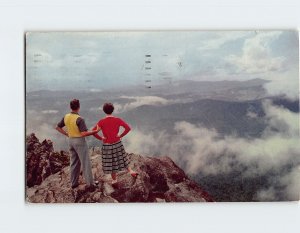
x,y
114,158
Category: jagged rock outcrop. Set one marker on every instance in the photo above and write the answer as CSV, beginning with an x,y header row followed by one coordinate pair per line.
x,y
42,161
159,180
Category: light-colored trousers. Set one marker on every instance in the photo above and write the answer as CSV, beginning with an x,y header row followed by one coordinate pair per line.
x,y
79,155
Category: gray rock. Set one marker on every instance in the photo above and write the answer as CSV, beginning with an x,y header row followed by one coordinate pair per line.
x,y
159,180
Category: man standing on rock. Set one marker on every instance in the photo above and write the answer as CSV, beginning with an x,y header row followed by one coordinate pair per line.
x,y
76,132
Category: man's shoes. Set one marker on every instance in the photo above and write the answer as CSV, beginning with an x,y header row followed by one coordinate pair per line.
x,y
92,187
75,186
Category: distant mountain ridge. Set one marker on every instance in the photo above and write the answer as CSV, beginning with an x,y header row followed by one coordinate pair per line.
x,y
175,84
225,116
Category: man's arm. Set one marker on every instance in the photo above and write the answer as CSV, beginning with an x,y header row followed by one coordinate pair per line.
x,y
59,127
83,129
88,133
61,130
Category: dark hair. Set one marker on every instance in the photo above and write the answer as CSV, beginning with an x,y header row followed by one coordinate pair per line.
x,y
108,108
74,104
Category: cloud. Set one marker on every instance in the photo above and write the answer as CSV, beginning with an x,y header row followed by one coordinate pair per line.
x,y
95,90
257,55
282,186
69,61
259,59
46,131
281,120
147,144
79,60
138,101
251,114
198,149
217,39
50,111
38,58
114,59
284,83
96,109
43,129
291,183
266,194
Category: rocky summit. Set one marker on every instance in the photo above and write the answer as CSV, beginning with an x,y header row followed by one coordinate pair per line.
x,y
42,161
159,179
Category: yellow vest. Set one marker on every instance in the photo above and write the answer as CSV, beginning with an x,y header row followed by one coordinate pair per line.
x,y
70,122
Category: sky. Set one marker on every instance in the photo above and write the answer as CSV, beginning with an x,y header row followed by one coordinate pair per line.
x,y
101,60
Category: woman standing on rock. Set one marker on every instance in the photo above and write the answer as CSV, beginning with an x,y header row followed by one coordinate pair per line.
x,y
114,157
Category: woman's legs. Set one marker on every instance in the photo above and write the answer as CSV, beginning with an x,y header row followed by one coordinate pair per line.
x,y
114,176
132,172
114,179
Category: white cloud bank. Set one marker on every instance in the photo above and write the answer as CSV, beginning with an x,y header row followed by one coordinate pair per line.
x,y
285,83
257,56
199,149
257,59
219,38
50,111
138,101
37,124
